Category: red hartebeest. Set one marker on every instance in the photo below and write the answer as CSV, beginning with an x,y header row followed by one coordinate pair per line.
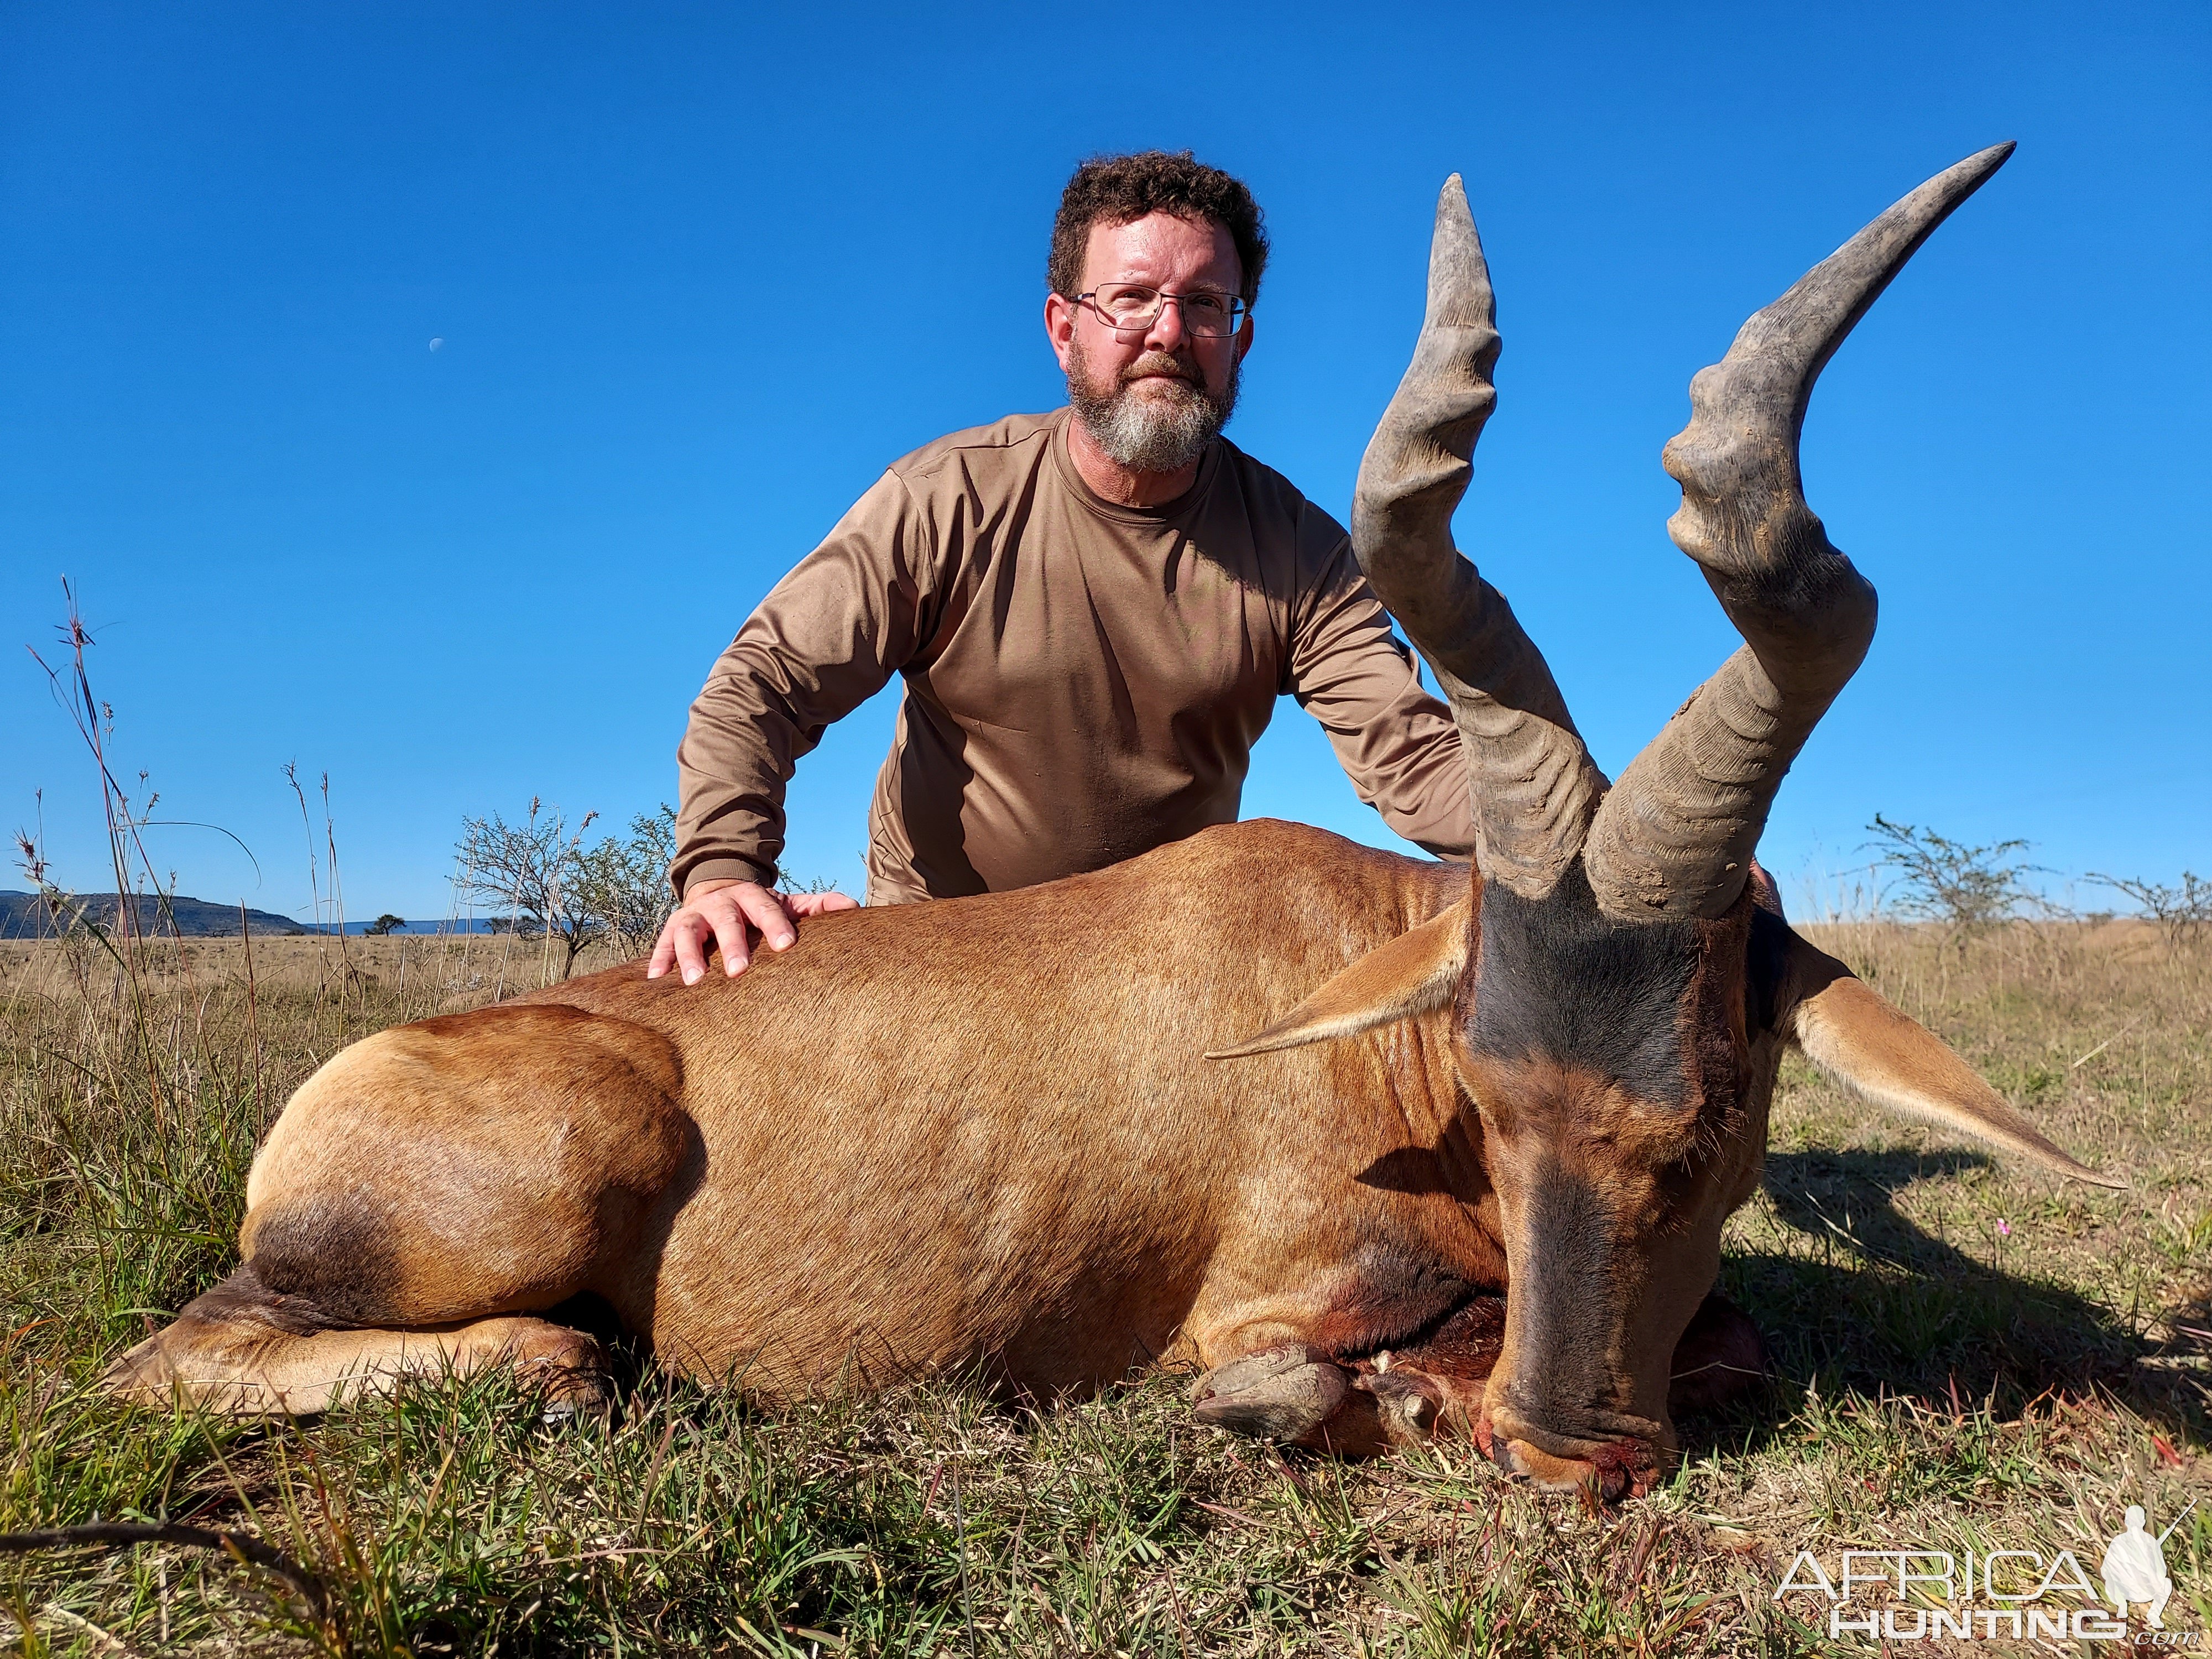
x,y
1477,1179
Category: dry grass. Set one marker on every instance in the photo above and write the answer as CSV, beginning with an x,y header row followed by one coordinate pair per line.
x,y
1969,1355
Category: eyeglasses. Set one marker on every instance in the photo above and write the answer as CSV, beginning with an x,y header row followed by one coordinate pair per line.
x,y
1129,308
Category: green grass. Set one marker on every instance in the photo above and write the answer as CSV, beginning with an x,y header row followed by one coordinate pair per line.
x,y
1944,1383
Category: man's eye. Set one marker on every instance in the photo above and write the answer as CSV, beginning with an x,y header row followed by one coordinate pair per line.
x,y
1130,299
1211,306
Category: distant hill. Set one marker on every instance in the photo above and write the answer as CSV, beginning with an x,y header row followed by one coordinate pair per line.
x,y
455,925
23,915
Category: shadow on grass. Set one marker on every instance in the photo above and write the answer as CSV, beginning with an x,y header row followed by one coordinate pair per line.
x,y
1867,1300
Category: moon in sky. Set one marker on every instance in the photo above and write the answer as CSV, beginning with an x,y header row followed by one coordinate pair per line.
x,y
438,344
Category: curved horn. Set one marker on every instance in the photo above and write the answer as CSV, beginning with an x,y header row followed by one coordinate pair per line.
x,y
1675,837
1533,783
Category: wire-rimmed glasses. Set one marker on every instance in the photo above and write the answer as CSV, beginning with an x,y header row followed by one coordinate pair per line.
x,y
1130,307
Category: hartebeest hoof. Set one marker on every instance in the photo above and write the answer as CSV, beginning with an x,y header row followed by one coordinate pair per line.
x,y
570,1396
246,1351
1407,1405
1277,1393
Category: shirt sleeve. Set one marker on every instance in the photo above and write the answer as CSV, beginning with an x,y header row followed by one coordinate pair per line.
x,y
827,636
1395,742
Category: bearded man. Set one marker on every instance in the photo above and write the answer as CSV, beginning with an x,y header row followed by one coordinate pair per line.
x,y
1094,611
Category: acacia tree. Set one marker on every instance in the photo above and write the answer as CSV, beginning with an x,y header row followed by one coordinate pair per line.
x,y
532,873
623,883
1938,879
537,879
2180,911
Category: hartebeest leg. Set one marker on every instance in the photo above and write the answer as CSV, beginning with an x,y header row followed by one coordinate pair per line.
x,y
1356,1405
425,1193
242,1349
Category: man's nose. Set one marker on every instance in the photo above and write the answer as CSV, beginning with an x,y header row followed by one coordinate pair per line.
x,y
1167,333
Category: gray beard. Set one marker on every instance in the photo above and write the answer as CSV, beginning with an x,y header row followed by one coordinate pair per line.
x,y
1151,433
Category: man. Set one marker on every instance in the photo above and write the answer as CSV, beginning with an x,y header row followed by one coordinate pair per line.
x,y
1094,610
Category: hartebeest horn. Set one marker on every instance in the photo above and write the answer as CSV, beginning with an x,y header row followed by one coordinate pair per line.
x,y
1675,837
1533,783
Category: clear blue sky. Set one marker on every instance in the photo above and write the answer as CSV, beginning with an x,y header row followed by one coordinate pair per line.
x,y
666,249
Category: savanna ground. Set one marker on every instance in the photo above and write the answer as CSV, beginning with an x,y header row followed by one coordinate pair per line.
x,y
1969,1355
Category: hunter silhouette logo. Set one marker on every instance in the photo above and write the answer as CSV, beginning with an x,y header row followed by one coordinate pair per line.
x,y
2135,1567
1988,1594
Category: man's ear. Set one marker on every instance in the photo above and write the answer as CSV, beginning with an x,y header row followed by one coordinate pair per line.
x,y
1059,325
1414,973
1881,1053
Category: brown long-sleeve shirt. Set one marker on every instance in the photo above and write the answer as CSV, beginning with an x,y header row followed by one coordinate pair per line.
x,y
1084,681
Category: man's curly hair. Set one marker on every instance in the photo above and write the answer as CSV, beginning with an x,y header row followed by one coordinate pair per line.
x,y
1120,190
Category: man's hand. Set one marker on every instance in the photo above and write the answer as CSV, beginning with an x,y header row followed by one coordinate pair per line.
x,y
731,914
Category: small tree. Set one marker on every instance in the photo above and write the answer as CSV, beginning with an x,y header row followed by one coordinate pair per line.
x,y
531,871
386,923
1938,879
2177,910
623,883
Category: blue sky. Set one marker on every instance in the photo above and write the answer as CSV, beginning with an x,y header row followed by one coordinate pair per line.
x,y
668,251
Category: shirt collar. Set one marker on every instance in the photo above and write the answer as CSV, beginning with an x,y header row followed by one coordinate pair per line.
x,y
1167,512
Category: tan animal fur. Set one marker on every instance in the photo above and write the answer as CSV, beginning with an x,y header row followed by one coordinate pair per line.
x,y
836,1160
836,1169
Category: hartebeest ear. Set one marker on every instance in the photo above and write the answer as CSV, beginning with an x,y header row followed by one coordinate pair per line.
x,y
1878,1051
1414,973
